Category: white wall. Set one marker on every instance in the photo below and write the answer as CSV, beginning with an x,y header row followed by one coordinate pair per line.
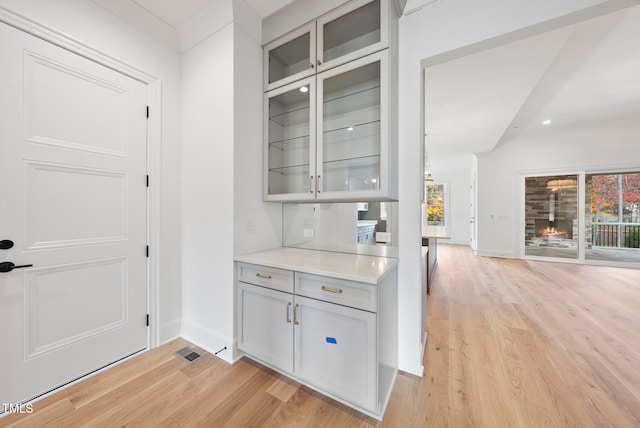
x,y
438,29
207,192
92,26
223,211
610,146
258,224
458,204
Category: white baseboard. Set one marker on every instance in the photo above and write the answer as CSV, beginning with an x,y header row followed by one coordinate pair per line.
x,y
494,253
169,331
209,340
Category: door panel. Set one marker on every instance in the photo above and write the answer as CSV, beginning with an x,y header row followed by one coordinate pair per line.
x,y
73,180
57,94
71,206
94,292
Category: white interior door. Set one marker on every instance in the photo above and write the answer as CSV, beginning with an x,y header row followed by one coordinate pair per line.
x,y
73,186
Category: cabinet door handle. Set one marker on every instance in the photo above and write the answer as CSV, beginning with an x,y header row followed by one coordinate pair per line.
x,y
311,65
263,276
311,184
288,312
318,62
295,314
319,184
332,290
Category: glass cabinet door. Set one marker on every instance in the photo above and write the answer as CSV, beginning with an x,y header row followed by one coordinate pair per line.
x,y
350,33
351,135
289,149
290,57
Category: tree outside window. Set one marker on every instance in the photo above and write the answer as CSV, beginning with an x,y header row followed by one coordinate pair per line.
x,y
435,198
615,209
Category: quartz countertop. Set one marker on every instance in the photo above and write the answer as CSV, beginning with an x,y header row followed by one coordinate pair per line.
x,y
352,267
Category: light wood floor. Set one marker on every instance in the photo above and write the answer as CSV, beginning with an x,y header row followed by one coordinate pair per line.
x,y
511,343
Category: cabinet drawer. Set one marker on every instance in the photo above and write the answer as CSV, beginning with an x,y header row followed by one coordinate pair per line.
x,y
277,279
349,293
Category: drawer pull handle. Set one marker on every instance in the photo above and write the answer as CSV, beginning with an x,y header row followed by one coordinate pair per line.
x,y
263,276
332,290
295,314
288,312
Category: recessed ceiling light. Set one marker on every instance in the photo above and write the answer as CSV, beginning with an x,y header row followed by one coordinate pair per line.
x,y
350,128
546,122
304,89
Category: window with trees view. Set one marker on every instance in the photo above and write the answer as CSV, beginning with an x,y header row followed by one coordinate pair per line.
x,y
435,204
614,217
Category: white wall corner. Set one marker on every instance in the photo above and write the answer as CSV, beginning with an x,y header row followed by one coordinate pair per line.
x,y
169,331
209,340
248,20
211,19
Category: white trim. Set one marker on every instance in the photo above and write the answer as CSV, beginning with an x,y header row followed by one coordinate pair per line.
x,y
154,139
496,253
209,340
609,263
154,169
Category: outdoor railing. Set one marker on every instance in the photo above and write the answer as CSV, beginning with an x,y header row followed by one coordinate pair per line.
x,y
616,235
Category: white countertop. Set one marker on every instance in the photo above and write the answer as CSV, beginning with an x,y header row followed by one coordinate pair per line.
x,y
353,267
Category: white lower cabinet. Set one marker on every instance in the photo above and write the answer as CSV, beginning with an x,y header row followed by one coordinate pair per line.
x,y
335,349
264,329
344,352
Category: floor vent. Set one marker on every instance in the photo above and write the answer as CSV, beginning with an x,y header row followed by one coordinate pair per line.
x,y
187,354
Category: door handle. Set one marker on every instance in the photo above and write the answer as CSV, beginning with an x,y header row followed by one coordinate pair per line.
x,y
288,312
295,314
5,244
8,267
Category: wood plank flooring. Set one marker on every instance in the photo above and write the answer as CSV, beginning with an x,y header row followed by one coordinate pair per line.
x,y
512,343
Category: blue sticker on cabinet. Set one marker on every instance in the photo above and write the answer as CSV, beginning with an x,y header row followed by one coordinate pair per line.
x,y
331,340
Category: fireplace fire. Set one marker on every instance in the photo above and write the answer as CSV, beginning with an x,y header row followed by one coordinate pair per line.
x,y
552,233
558,229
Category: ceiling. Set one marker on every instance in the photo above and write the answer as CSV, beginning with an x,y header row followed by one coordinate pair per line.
x,y
576,76
579,76
168,20
177,12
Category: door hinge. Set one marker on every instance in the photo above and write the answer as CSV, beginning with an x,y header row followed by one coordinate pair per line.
x,y
147,320
147,180
147,251
147,112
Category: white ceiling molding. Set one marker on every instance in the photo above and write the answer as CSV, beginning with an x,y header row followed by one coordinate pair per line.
x,y
174,13
181,24
143,20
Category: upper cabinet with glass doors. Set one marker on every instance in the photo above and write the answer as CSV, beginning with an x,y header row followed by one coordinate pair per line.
x,y
359,28
331,134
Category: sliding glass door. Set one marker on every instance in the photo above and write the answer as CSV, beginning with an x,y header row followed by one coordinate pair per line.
x,y
612,214
592,217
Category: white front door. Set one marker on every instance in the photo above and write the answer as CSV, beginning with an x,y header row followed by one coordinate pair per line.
x,y
73,186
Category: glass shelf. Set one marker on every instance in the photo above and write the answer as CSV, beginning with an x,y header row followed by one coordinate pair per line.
x,y
292,169
293,143
291,117
354,94
361,161
358,130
